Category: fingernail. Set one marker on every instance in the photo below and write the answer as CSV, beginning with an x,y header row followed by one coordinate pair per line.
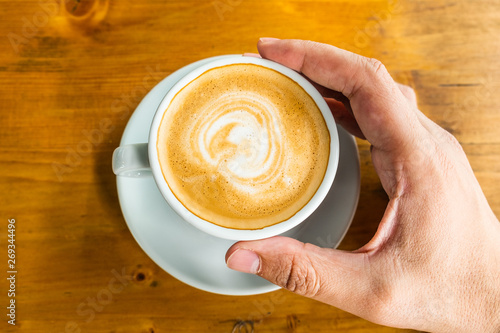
x,y
267,39
245,261
255,55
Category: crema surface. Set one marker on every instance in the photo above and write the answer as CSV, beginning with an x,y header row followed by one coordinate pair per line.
x,y
243,146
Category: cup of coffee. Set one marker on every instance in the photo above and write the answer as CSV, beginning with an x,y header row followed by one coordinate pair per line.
x,y
242,148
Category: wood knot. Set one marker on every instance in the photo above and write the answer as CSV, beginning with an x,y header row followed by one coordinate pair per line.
x,y
85,13
142,275
243,326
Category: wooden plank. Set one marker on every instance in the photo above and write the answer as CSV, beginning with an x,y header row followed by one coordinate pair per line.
x,y
63,74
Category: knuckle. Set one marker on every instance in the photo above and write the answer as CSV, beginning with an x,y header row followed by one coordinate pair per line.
x,y
299,276
453,141
449,140
408,92
366,71
375,66
307,46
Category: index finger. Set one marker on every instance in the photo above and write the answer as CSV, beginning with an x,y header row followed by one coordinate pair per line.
x,y
382,112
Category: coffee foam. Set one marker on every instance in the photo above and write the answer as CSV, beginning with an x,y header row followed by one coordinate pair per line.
x,y
243,146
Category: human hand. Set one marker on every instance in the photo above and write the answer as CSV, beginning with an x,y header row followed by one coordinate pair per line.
x,y
434,262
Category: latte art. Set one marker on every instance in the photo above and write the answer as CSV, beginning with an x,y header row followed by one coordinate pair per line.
x,y
243,146
238,135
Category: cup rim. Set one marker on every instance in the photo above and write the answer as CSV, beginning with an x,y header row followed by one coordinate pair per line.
x,y
245,234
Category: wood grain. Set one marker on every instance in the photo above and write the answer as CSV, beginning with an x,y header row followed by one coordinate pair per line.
x,y
68,72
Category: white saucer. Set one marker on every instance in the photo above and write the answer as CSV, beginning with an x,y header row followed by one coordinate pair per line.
x,y
196,258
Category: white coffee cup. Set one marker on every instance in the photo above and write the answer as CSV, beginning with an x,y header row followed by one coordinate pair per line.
x,y
139,160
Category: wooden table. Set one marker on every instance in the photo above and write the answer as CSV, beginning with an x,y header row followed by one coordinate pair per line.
x,y
70,68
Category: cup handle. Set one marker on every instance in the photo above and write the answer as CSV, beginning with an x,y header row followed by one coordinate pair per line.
x,y
131,160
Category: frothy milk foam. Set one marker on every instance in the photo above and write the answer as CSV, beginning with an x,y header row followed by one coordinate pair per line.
x,y
243,146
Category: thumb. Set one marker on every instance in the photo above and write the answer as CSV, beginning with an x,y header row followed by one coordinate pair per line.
x,y
332,276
